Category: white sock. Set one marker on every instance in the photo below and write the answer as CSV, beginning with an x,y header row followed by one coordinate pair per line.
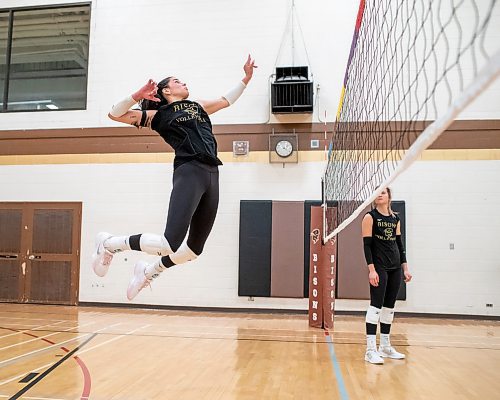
x,y
371,342
384,340
153,270
117,243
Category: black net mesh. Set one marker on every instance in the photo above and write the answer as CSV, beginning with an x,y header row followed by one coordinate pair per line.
x,y
409,60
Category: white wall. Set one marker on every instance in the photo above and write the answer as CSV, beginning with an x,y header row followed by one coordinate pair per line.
x,y
205,44
451,202
447,202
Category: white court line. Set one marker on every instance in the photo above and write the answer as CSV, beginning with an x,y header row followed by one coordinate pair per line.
x,y
33,398
27,330
427,343
13,325
222,335
46,336
173,325
109,341
414,335
74,355
304,339
34,319
54,345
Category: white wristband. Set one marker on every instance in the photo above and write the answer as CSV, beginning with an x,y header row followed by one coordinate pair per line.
x,y
122,106
235,93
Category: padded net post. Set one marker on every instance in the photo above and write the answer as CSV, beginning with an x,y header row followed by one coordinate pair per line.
x,y
323,272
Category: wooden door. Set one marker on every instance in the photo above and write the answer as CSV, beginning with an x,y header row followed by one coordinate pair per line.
x,y
39,256
11,252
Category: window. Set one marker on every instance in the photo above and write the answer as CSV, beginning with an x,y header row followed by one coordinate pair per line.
x,y
44,58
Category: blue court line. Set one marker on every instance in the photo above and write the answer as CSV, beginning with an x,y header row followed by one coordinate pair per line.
x,y
336,368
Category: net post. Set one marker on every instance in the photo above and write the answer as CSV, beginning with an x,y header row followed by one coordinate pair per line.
x,y
323,266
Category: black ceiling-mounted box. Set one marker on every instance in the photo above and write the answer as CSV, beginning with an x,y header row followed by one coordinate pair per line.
x,y
292,91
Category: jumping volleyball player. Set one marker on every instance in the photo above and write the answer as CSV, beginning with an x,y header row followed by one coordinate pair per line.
x,y
185,125
386,259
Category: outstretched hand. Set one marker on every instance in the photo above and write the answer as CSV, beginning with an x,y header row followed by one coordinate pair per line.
x,y
248,68
148,92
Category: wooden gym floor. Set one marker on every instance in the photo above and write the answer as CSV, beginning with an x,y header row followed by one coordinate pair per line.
x,y
57,352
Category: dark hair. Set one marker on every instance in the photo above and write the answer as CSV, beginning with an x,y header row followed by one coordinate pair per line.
x,y
155,105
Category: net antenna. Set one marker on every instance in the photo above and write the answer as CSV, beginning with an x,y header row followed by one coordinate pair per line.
x,y
413,67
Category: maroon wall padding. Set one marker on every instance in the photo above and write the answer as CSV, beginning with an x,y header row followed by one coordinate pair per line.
x,y
287,250
352,272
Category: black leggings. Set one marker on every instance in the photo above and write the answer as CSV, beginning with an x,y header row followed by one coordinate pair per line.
x,y
193,204
384,295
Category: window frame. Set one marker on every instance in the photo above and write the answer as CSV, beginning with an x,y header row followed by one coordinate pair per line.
x,y
4,99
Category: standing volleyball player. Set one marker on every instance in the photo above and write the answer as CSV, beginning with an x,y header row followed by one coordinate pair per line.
x,y
186,126
386,259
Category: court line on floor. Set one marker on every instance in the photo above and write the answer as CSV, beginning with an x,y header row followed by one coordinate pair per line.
x,y
49,370
86,373
90,348
86,389
231,327
83,367
22,331
33,398
336,368
292,329
336,335
43,337
338,340
34,319
10,360
14,324
114,339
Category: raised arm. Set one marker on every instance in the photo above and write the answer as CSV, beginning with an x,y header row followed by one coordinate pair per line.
x,y
121,111
212,106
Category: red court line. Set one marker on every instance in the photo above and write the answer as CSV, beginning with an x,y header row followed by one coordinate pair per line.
x,y
87,382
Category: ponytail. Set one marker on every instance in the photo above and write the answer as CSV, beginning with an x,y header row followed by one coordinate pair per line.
x,y
152,105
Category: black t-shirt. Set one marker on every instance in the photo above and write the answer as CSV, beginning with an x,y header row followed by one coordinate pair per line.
x,y
384,248
186,127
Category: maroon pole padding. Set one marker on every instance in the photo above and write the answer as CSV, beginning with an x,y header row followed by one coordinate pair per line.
x,y
323,262
329,272
315,291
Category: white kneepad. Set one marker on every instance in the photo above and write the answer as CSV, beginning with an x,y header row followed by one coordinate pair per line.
x,y
183,254
387,315
155,244
372,315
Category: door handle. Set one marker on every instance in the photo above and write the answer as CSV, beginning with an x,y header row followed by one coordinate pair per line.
x,y
23,266
33,257
8,255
